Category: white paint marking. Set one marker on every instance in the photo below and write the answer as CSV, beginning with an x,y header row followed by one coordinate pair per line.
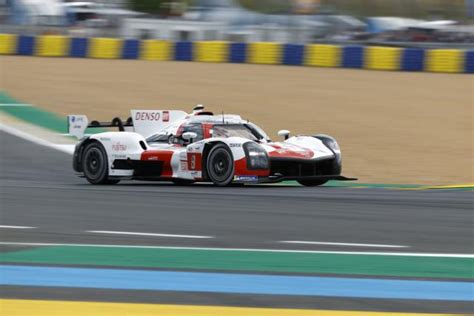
x,y
16,227
15,104
69,149
400,254
147,234
340,244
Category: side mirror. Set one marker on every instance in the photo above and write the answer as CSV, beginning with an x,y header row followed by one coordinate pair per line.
x,y
284,133
189,136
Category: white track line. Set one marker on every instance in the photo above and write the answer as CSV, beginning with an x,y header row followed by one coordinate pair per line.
x,y
339,244
16,227
147,234
400,254
69,149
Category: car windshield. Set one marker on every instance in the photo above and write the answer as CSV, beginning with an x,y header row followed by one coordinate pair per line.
x,y
235,130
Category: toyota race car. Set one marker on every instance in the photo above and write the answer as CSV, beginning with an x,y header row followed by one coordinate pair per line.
x,y
184,148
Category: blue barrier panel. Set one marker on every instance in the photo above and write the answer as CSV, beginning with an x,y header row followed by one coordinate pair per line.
x,y
78,47
293,54
26,45
469,62
238,52
413,59
130,49
353,56
183,51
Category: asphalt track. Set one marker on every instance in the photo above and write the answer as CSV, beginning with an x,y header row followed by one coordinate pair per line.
x,y
38,189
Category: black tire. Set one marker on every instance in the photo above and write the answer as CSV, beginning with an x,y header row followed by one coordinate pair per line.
x,y
95,165
312,183
220,165
182,182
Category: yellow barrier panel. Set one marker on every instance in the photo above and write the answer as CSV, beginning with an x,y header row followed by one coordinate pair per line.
x,y
7,44
211,51
444,60
156,50
382,58
264,53
52,45
323,55
105,48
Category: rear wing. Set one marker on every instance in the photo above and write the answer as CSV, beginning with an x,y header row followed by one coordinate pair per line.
x,y
144,122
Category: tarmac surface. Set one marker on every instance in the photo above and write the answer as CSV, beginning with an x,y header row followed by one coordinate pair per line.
x,y
39,189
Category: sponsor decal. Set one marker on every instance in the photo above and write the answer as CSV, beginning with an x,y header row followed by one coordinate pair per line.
x,y
119,156
166,116
119,147
104,139
76,119
148,116
193,162
235,145
152,158
246,178
184,165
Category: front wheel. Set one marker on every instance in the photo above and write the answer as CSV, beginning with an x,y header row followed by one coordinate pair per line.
x,y
220,165
312,183
95,165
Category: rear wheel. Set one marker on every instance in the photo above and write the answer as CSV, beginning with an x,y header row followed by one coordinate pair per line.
x,y
95,165
220,165
312,183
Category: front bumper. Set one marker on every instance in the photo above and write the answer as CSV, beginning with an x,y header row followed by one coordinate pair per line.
x,y
298,169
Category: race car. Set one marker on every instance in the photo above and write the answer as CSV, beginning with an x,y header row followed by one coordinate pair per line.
x,y
170,145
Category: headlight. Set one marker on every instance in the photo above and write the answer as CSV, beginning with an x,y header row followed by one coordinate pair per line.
x,y
331,143
257,157
334,146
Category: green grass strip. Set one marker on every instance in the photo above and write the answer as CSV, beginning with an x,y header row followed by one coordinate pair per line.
x,y
257,261
37,116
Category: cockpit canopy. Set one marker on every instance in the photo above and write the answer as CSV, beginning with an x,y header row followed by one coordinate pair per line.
x,y
208,127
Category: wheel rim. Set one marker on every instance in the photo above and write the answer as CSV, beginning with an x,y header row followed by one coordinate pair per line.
x,y
94,163
220,166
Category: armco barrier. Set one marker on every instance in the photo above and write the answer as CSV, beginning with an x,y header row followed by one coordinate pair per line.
x,y
412,59
183,51
323,55
8,44
211,51
444,60
108,48
293,54
382,58
238,52
156,50
25,45
52,46
264,53
131,49
317,55
353,56
78,47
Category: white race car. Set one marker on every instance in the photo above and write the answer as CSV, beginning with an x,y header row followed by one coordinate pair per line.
x,y
161,145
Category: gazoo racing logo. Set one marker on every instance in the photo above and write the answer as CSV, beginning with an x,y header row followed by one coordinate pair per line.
x,y
147,116
76,119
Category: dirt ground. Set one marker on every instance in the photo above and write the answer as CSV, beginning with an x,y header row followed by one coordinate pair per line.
x,y
393,127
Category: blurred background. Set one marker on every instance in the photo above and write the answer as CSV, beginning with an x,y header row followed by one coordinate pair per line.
x,y
395,22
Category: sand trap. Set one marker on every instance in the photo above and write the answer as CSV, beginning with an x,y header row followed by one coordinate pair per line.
x,y
393,127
